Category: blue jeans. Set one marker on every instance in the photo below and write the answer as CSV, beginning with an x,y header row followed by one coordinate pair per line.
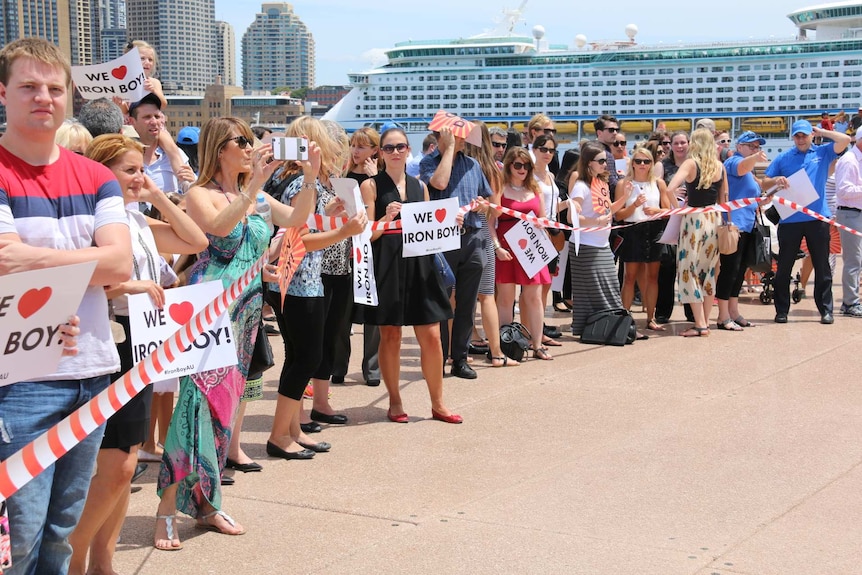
x,y
43,513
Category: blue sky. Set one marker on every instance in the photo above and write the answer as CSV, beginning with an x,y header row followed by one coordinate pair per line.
x,y
348,32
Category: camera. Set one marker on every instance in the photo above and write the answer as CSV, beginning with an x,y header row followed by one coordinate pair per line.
x,y
290,148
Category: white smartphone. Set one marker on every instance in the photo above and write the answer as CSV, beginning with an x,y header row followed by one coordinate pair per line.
x,y
290,148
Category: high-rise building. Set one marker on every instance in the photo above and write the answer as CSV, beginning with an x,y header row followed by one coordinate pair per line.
x,y
225,42
48,19
277,50
112,29
182,34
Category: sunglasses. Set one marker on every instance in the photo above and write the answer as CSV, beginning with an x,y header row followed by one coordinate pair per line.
x,y
611,130
601,161
550,131
666,143
724,141
498,144
241,141
390,148
521,166
618,144
546,150
641,161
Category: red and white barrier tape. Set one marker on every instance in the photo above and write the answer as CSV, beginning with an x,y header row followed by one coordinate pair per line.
x,y
815,215
33,459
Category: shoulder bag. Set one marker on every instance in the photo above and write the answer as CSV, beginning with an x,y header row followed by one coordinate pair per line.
x,y
759,257
514,340
610,327
728,236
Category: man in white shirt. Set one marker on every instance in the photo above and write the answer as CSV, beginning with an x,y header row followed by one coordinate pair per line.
x,y
848,194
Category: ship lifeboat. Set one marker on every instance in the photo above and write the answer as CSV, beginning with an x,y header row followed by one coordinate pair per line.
x,y
675,125
764,125
636,126
722,125
567,127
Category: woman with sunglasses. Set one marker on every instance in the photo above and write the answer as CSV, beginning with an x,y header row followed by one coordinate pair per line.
x,y
595,286
521,193
544,152
410,290
222,204
643,195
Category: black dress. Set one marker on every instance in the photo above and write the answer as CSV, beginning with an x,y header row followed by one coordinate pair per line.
x,y
409,290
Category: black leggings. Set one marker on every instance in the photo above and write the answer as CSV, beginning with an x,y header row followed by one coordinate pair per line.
x,y
301,322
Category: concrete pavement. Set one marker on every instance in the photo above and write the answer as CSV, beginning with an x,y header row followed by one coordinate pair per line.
x,y
734,454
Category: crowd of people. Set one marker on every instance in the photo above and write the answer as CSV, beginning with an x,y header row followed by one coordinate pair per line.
x,y
156,212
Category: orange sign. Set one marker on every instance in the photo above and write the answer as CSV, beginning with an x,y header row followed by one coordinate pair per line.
x,y
292,252
460,127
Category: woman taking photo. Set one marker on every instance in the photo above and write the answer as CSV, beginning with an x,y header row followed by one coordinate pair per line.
x,y
410,289
643,195
595,286
697,251
303,315
108,498
520,193
222,204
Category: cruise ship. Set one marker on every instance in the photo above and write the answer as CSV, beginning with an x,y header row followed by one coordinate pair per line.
x,y
503,79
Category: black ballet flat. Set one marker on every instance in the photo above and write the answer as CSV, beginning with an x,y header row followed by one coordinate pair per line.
x,y
335,419
310,427
274,450
244,467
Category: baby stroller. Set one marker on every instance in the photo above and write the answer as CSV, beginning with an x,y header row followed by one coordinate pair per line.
x,y
767,279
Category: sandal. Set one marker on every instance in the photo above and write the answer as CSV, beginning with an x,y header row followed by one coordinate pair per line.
x,y
695,331
550,341
542,353
478,347
742,322
653,325
505,359
728,325
205,522
170,534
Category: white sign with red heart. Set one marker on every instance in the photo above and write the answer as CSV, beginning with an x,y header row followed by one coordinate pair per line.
x,y
123,77
150,326
430,227
531,246
32,306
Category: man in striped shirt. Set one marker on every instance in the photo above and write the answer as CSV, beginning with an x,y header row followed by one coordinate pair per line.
x,y
56,208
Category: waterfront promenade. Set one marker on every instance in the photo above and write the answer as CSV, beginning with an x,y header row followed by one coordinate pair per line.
x,y
736,454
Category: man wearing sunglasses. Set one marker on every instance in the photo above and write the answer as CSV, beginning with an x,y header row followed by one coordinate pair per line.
x,y
148,121
607,128
450,173
498,143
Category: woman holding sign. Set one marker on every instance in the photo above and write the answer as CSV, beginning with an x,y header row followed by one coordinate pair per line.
x,y
520,193
595,286
221,202
410,289
108,499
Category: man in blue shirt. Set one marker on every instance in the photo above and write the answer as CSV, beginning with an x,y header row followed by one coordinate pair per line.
x,y
449,173
815,161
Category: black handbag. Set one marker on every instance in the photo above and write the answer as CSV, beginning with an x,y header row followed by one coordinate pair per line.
x,y
447,276
610,327
261,356
514,340
760,247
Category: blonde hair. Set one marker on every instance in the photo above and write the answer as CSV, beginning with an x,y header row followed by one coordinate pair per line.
x,y
106,148
341,141
641,150
72,134
147,46
366,136
35,49
315,131
702,150
214,136
538,122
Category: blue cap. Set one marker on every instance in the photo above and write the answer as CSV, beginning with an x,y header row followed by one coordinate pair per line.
x,y
189,135
749,138
800,127
387,126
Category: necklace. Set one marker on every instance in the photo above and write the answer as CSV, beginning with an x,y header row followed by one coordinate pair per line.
x,y
516,188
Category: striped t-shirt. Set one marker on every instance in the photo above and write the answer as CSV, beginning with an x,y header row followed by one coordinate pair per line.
x,y
60,206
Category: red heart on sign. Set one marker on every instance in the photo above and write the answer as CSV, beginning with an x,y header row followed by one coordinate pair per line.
x,y
119,72
523,243
358,256
33,300
440,215
181,312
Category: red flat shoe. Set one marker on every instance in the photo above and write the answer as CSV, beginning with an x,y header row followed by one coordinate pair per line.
x,y
402,418
447,418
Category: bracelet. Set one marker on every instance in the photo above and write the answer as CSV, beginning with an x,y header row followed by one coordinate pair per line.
x,y
246,196
308,186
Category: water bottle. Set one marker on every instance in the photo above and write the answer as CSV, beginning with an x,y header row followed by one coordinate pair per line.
x,y
263,209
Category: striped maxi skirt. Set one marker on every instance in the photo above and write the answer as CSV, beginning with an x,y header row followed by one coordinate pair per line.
x,y
595,285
